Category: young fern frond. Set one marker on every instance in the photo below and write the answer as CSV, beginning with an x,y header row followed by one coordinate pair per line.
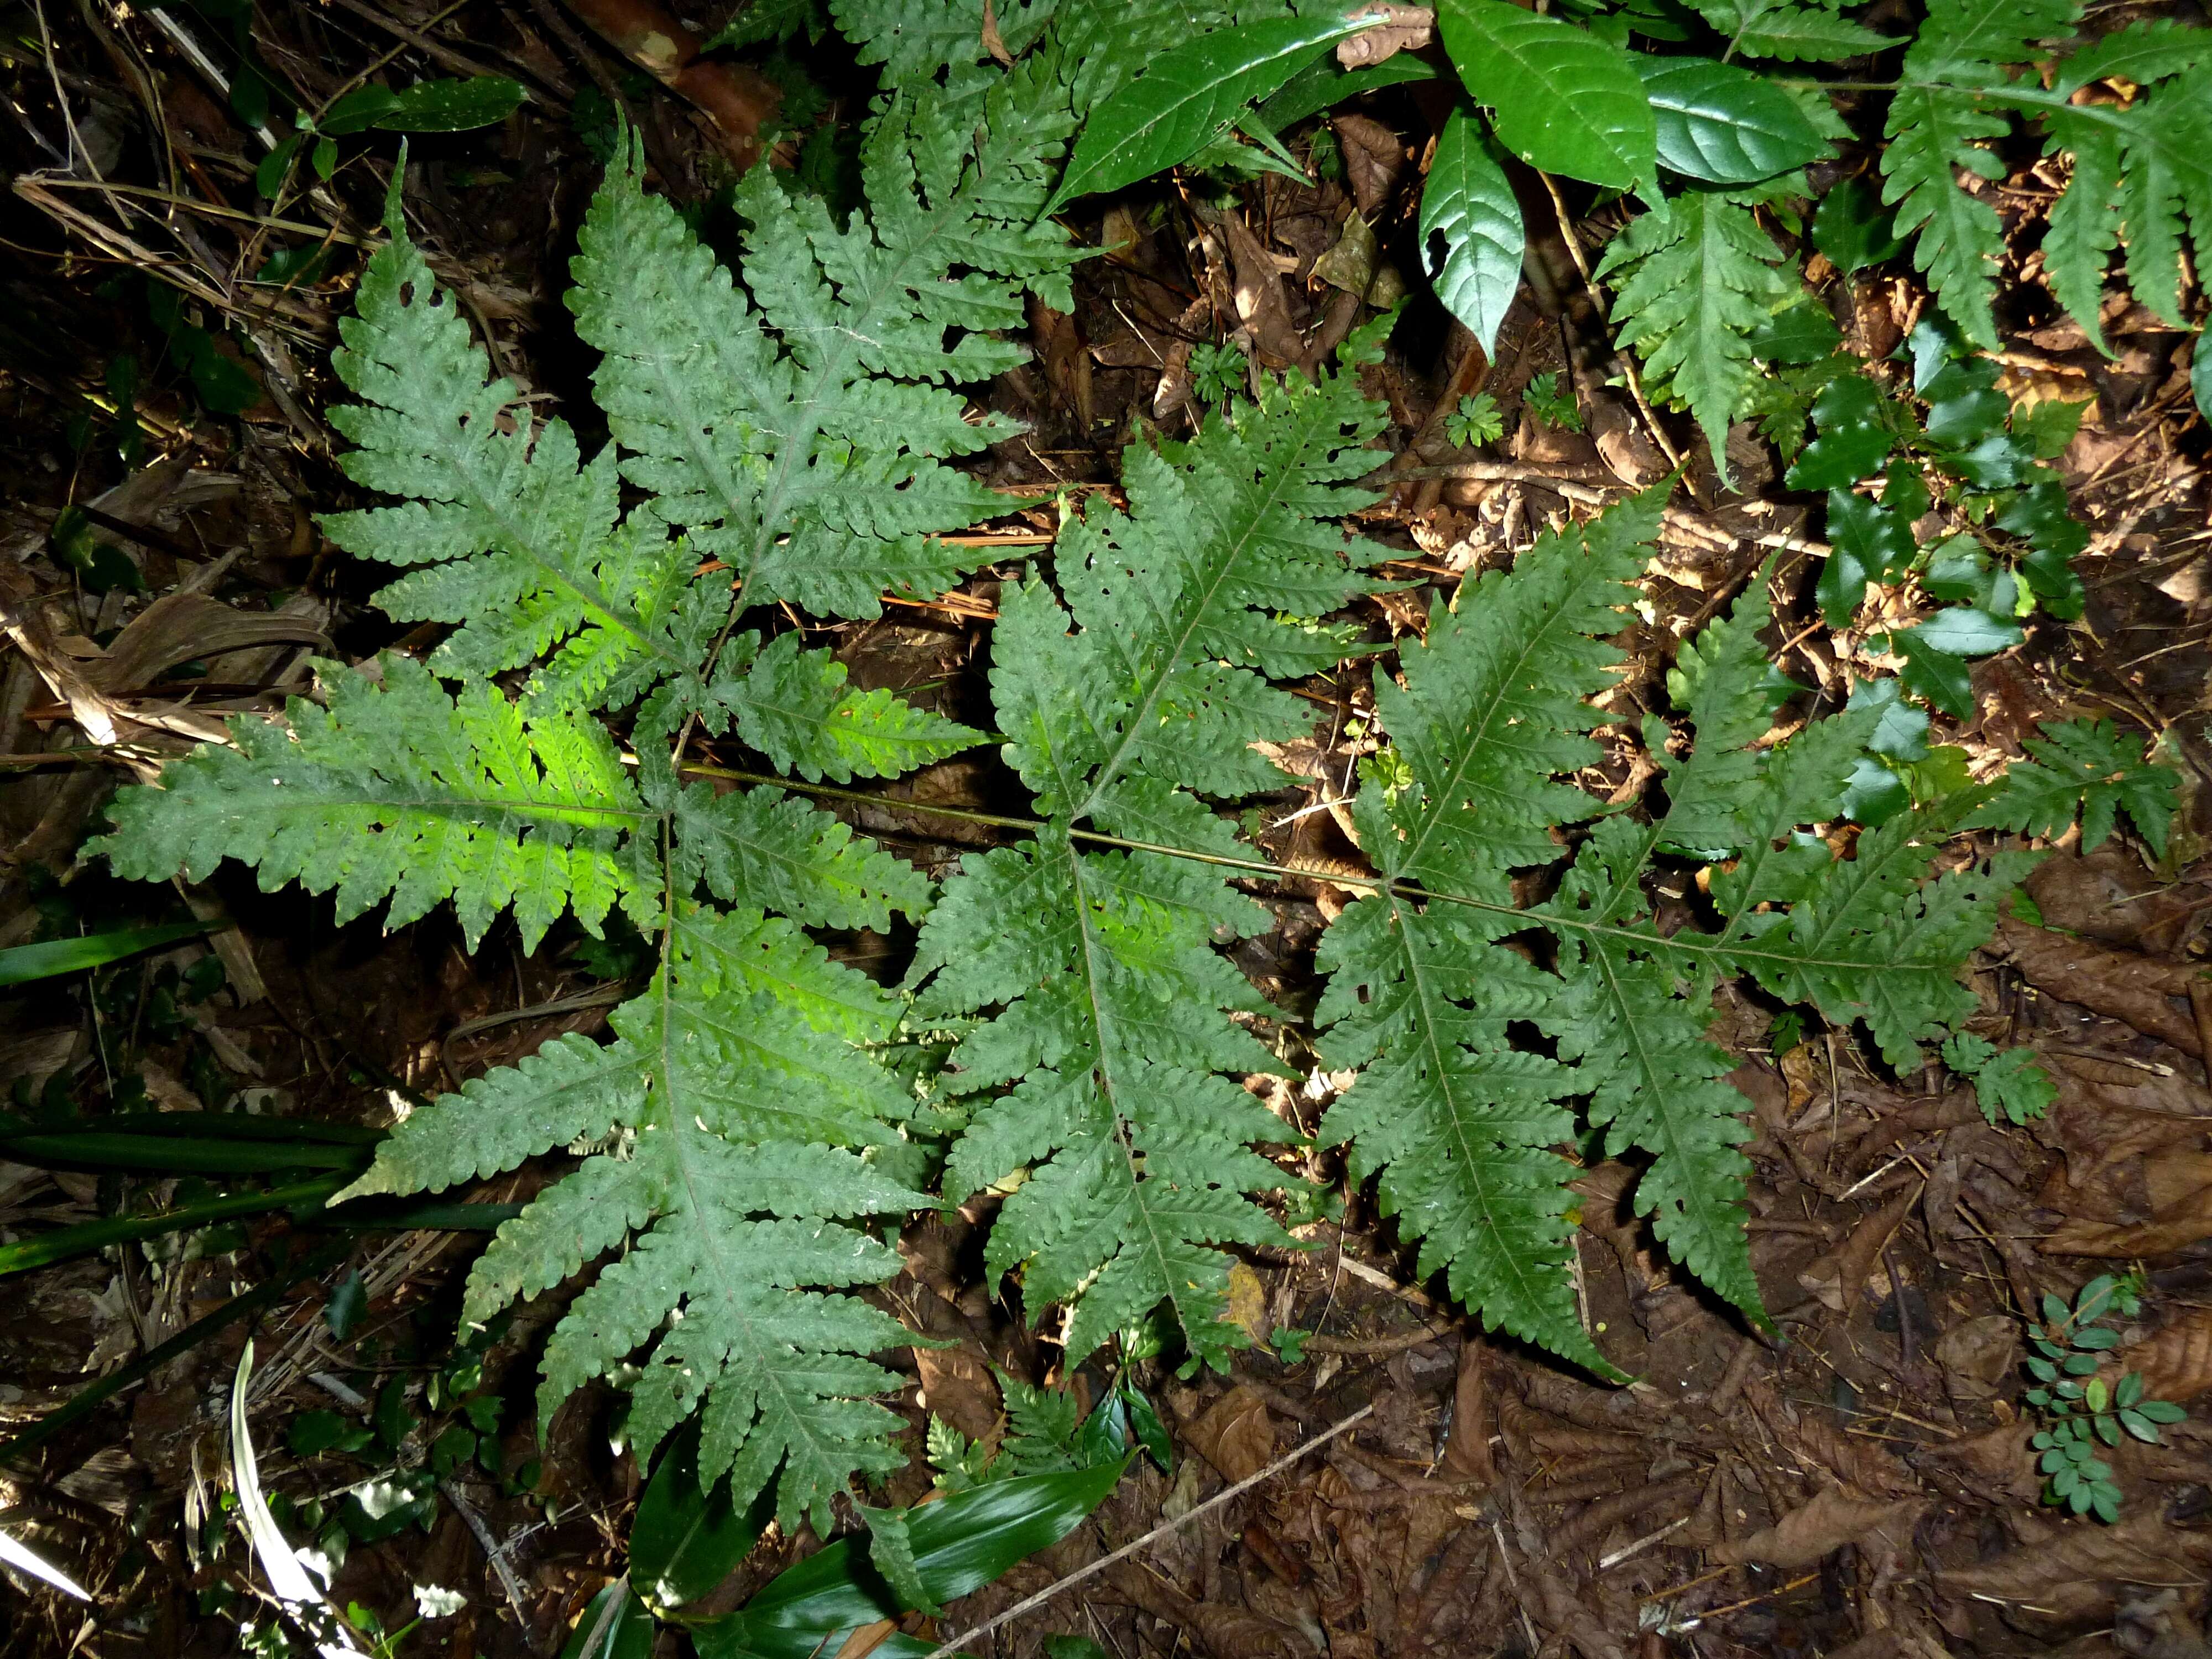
x,y
1113,1023
401,790
1458,1124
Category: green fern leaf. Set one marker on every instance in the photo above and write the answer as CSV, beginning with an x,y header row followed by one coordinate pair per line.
x,y
1794,33
1114,1027
2092,768
793,429
752,846
733,1085
1932,130
1964,41
794,706
1695,284
2085,219
515,540
2139,52
404,791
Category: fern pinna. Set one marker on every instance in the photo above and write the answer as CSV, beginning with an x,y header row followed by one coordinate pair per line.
x,y
792,435
785,440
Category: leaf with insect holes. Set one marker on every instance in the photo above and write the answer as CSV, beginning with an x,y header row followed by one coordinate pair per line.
x,y
1469,204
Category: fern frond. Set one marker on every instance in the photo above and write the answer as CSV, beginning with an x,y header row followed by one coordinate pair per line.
x,y
404,791
1695,282
794,428
1792,32
515,540
2089,768
1459,1125
794,706
1113,1025
1963,41
1932,130
732,1093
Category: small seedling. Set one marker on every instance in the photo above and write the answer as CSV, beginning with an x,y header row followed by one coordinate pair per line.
x,y
1217,372
2079,1407
1552,406
1476,421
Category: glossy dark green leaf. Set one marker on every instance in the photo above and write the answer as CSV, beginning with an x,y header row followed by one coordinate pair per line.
x,y
1959,573
1469,204
358,110
268,177
684,1542
890,1553
21,963
1964,406
2048,426
1323,85
349,1301
2200,375
960,1544
1965,632
1942,679
1188,96
1869,544
2161,1410
1850,437
1563,99
1151,1433
1874,793
2039,515
453,106
1903,490
1802,331
1852,228
615,1626
1722,124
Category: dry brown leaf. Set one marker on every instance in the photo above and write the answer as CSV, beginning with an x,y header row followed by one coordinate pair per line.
x,y
1865,1465
958,1386
1977,1356
1373,157
1837,1277
1235,1435
2125,985
1466,1454
1248,1304
1402,28
2178,1187
2175,1363
2073,1571
1833,1519
182,627
1258,296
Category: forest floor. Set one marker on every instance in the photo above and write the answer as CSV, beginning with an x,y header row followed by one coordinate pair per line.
x,y
1860,1485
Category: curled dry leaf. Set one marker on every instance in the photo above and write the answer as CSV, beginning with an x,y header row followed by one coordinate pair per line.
x,y
2078,1573
1978,1356
1235,1435
959,1389
1373,157
2126,985
1833,1519
2176,1363
1399,28
1837,1277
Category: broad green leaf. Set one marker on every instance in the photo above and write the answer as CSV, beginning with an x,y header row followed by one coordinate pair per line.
x,y
1722,125
1469,202
1188,96
453,106
358,110
685,1539
1851,438
1323,85
21,963
615,1625
1563,100
958,1544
